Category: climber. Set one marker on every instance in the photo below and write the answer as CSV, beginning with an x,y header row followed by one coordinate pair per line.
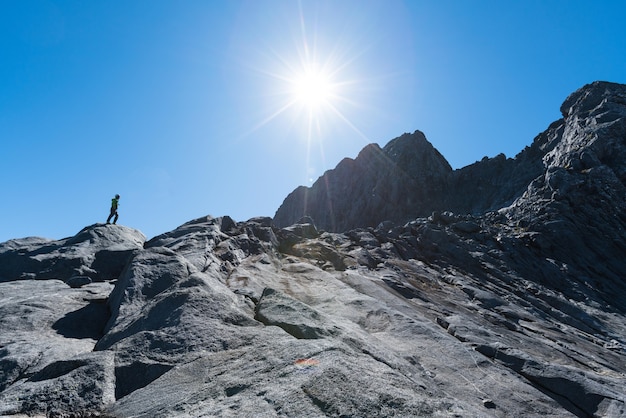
x,y
114,204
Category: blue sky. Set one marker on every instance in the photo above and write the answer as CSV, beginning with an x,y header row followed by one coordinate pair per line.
x,y
189,108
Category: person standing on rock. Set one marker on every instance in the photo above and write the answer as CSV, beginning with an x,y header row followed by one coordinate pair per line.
x,y
114,204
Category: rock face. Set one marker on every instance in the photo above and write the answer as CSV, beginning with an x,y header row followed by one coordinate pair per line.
x,y
513,305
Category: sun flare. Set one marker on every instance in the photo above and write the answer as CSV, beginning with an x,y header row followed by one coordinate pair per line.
x,y
312,83
312,89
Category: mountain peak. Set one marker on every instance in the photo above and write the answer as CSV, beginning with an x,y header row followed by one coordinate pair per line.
x,y
379,184
594,96
415,156
409,178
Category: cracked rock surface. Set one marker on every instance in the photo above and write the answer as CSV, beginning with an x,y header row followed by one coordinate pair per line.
x,y
510,306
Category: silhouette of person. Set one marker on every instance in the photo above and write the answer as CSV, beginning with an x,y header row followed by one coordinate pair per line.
x,y
114,204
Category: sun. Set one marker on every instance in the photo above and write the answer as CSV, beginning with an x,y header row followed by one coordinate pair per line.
x,y
311,83
313,89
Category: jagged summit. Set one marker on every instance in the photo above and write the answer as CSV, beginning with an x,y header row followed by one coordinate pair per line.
x,y
508,300
598,96
408,178
379,184
416,157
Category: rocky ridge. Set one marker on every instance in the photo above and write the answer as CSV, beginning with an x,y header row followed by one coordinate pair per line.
x,y
408,178
510,305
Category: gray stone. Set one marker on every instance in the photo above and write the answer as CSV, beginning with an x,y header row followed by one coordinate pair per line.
x,y
296,318
98,251
48,331
78,281
466,226
509,301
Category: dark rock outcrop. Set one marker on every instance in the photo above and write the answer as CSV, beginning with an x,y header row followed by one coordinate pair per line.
x,y
408,176
506,301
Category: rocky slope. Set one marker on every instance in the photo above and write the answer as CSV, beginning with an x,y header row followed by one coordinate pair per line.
x,y
507,301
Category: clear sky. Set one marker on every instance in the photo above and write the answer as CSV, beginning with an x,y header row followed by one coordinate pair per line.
x,y
207,107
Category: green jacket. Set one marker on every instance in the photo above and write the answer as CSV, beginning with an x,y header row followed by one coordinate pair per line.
x,y
114,203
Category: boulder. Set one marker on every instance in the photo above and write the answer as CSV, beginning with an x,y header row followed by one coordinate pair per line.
x,y
99,252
